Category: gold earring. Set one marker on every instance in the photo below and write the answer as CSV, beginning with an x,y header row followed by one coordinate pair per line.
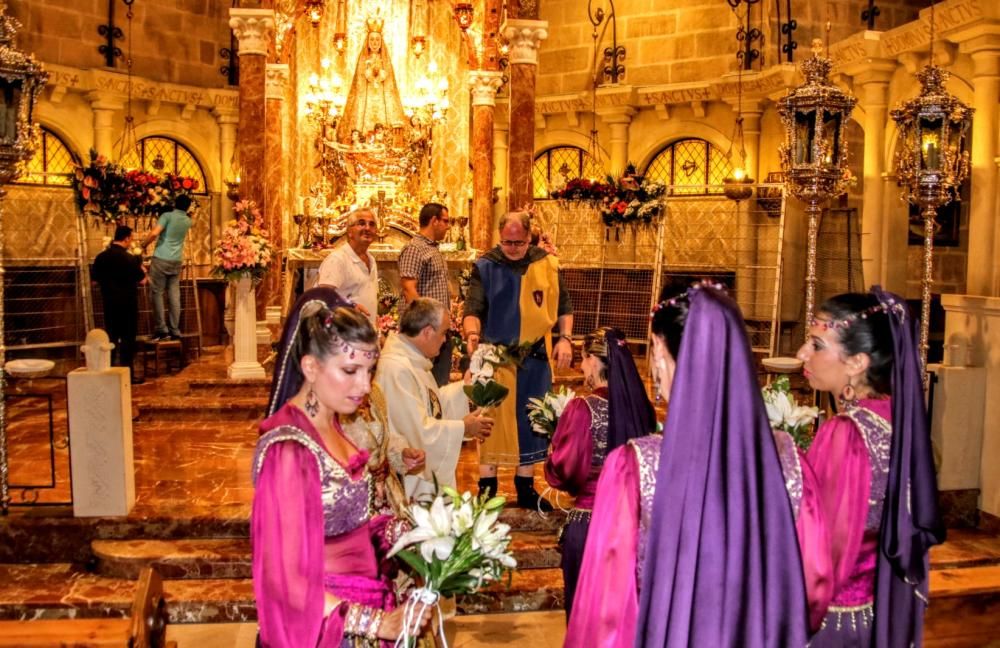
x,y
312,402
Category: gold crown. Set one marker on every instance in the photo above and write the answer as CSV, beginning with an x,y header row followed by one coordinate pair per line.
x,y
375,23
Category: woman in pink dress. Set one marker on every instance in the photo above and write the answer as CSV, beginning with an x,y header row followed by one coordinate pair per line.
x,y
616,410
865,494
318,572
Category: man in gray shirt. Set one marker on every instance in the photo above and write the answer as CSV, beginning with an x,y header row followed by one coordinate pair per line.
x,y
165,268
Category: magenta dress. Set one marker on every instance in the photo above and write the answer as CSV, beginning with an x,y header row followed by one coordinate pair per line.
x,y
579,448
606,603
312,533
837,491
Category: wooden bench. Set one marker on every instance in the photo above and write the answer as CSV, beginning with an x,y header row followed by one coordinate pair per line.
x,y
146,628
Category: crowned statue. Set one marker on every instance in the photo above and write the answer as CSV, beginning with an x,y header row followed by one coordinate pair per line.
x,y
373,103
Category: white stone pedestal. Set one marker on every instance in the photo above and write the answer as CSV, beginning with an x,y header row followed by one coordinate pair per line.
x,y
957,424
100,431
245,364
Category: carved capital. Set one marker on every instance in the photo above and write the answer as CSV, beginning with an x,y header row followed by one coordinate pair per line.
x,y
254,29
105,101
484,85
226,115
275,80
525,37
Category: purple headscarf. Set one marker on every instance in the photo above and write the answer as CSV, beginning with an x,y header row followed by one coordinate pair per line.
x,y
287,375
630,414
910,521
722,562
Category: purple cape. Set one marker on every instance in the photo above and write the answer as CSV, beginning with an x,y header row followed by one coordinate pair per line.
x,y
722,563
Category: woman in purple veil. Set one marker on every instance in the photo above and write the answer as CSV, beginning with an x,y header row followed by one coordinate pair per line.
x,y
865,494
590,427
708,578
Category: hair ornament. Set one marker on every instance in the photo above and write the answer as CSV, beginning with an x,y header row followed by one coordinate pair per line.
x,y
889,306
695,287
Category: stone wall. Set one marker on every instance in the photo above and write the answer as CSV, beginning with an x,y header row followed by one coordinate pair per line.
x,y
175,42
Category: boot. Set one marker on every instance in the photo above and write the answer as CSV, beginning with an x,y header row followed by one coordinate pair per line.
x,y
528,497
488,486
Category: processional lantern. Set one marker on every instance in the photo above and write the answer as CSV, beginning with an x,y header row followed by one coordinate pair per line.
x,y
21,80
814,154
931,162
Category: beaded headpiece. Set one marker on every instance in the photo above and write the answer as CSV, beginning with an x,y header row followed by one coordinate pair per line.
x,y
346,347
698,285
890,305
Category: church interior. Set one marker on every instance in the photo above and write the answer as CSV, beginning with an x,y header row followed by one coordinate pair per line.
x,y
786,150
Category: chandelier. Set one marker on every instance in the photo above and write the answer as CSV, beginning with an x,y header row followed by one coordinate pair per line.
x,y
814,154
931,162
429,102
324,98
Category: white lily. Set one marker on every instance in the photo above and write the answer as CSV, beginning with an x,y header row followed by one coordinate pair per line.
x,y
432,529
779,408
802,415
463,519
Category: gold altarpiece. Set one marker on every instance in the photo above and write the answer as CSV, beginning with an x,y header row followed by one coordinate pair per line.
x,y
399,135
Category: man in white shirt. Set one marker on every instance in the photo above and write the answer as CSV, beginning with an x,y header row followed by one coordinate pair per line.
x,y
351,268
435,420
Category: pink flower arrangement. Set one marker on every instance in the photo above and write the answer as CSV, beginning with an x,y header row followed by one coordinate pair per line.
x,y
243,250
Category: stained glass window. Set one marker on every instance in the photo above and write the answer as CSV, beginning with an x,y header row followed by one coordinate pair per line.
x,y
692,166
164,155
52,163
555,166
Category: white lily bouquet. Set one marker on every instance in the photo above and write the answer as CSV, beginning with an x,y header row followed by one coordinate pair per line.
x,y
456,546
786,414
544,413
485,391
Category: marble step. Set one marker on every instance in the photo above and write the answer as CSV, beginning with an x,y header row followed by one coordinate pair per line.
x,y
227,387
185,407
220,558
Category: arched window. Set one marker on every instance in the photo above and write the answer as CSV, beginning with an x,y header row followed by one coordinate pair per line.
x,y
692,162
556,165
164,155
52,163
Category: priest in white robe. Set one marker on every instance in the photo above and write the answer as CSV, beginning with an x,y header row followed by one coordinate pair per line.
x,y
431,418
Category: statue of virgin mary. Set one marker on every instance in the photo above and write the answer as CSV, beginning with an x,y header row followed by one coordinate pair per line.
x,y
373,99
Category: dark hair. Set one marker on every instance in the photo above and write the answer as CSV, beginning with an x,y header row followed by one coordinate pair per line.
x,y
870,334
419,314
122,232
670,318
182,202
429,212
596,344
322,331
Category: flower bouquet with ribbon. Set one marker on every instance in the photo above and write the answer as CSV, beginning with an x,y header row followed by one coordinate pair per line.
x,y
456,546
544,412
784,413
485,392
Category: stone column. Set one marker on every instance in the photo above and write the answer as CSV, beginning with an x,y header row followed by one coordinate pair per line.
x,y
254,28
245,364
501,149
983,220
752,110
276,79
104,107
227,119
874,85
484,85
618,119
525,37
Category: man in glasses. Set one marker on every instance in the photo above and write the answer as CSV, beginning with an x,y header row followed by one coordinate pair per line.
x,y
351,268
516,296
423,272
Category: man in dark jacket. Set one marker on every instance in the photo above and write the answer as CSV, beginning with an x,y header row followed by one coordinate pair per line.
x,y
119,272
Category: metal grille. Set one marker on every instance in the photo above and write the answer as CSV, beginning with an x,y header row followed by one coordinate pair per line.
x,y
614,275
838,254
693,166
52,164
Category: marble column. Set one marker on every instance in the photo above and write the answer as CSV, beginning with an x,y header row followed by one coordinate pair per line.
x,y
245,364
276,79
254,28
874,89
983,219
104,107
501,150
484,85
227,119
525,37
618,119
